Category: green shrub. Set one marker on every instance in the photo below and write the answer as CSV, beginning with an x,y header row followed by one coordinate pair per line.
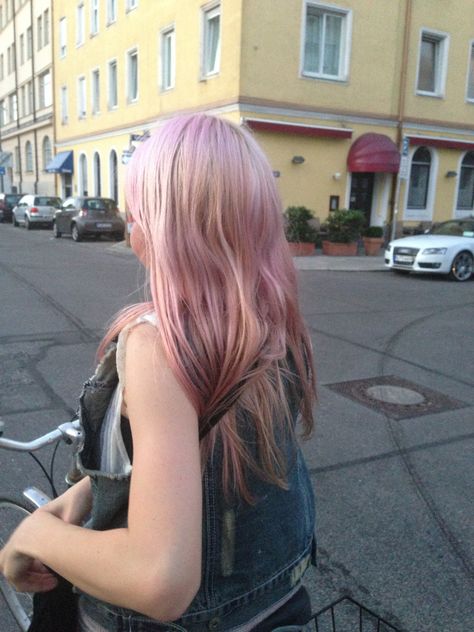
x,y
345,226
297,228
374,231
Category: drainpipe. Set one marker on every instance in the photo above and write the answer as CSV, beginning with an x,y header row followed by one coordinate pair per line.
x,y
15,59
401,111
33,81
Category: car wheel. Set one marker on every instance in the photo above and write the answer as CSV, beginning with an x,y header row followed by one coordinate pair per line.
x,y
461,267
57,234
75,234
27,223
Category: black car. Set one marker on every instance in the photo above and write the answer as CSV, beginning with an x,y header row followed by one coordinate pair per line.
x,y
82,216
7,202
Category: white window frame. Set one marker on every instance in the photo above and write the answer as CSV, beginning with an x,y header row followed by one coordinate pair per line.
x,y
167,34
62,37
95,91
94,17
345,44
442,40
460,213
111,11
80,24
208,12
45,96
46,155
64,105
81,96
470,64
28,156
39,32
29,42
128,57
22,50
426,214
110,105
131,5
46,27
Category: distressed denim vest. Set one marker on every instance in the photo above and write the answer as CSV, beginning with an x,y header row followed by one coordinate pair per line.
x,y
253,556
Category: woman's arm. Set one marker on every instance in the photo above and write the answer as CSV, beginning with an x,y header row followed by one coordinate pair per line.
x,y
74,505
153,566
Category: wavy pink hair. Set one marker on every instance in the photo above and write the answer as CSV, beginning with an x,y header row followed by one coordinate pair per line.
x,y
222,283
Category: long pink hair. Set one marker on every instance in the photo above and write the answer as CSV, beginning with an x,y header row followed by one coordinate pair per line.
x,y
222,284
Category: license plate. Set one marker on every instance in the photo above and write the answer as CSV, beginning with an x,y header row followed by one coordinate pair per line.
x,y
404,259
103,225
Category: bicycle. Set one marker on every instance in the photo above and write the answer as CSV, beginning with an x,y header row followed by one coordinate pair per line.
x,y
343,614
13,509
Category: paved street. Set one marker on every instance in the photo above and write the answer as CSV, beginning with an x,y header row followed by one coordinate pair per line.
x,y
391,459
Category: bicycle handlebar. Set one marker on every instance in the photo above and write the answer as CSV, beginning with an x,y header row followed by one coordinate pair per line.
x,y
70,432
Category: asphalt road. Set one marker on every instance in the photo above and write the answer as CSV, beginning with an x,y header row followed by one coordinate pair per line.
x,y
391,459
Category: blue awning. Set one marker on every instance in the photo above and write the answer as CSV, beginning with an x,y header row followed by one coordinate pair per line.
x,y
61,163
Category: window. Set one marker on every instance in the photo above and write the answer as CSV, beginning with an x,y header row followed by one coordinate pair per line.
x,y
113,175
29,42
62,37
326,42
3,113
111,11
22,49
1,17
113,92
17,159
432,64
2,68
97,180
470,77
132,4
64,105
419,179
46,27
211,49
47,153
95,91
80,25
23,101
39,31
83,175
29,94
465,201
44,89
28,156
132,76
13,107
9,60
81,97
168,60
94,16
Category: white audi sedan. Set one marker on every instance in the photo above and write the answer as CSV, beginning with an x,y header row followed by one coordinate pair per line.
x,y
447,248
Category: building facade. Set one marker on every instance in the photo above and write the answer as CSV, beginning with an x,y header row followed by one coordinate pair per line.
x,y
358,104
26,96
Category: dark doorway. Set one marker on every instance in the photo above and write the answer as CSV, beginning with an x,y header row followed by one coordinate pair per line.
x,y
362,187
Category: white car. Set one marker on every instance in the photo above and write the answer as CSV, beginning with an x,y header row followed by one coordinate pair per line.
x,y
35,210
446,249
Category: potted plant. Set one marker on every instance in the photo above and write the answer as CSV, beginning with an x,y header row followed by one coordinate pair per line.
x,y
300,234
344,229
373,240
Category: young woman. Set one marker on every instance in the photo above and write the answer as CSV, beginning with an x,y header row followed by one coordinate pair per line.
x,y
200,388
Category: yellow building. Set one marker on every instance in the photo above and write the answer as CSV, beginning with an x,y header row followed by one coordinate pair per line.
x,y
334,91
26,103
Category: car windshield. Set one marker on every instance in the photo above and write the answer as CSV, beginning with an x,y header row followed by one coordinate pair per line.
x,y
48,201
96,204
456,228
13,198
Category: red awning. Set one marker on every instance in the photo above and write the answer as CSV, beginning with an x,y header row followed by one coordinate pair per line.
x,y
373,153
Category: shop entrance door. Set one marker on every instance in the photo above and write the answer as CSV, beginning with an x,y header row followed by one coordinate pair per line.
x,y
362,188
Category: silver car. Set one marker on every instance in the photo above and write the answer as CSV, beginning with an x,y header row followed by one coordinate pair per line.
x,y
34,210
87,216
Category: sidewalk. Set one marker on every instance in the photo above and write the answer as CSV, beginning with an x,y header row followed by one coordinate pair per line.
x,y
358,263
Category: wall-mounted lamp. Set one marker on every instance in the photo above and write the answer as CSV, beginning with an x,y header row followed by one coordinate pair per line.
x,y
451,174
297,160
336,176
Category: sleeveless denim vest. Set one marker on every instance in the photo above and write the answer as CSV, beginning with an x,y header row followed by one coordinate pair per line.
x,y
253,556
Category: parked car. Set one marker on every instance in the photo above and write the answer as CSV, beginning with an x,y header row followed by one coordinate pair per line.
x,y
34,210
447,248
88,216
7,202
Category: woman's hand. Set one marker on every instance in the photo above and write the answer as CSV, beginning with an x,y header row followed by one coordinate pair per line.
x,y
74,505
24,573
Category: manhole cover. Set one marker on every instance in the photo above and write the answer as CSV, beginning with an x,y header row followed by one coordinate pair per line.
x,y
396,397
